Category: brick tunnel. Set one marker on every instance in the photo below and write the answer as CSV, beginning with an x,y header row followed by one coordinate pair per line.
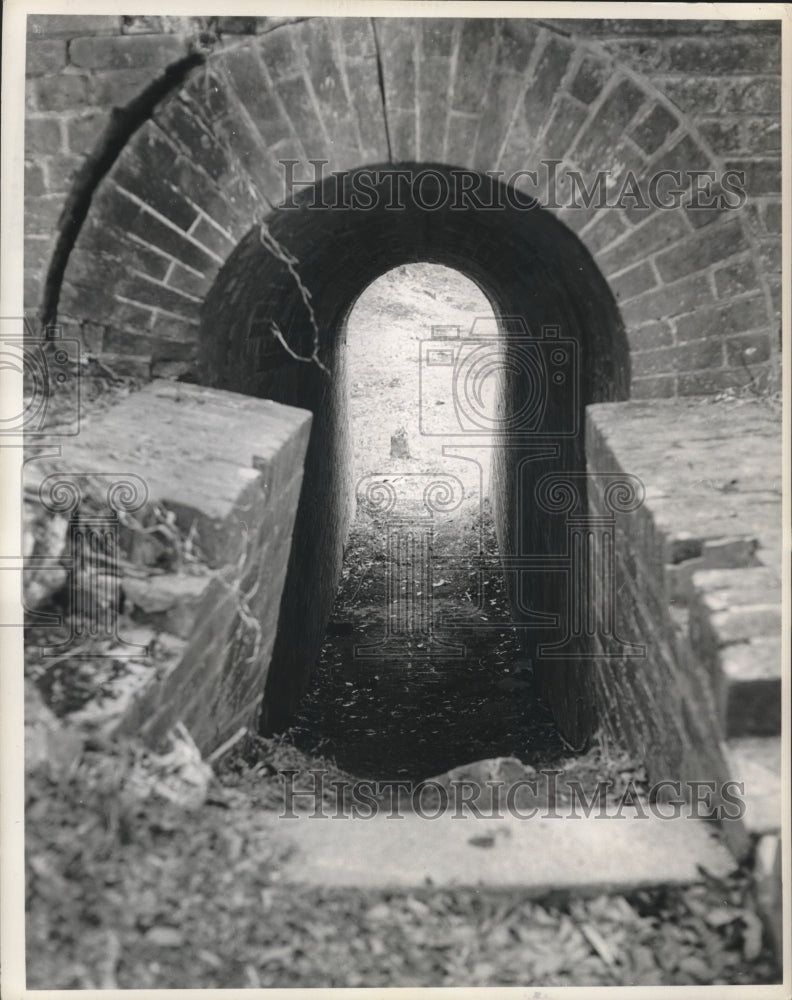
x,y
528,264
157,155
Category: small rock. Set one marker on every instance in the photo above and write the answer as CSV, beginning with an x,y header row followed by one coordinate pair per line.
x,y
165,937
399,447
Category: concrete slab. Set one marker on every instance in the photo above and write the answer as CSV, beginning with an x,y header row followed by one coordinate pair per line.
x,y
584,856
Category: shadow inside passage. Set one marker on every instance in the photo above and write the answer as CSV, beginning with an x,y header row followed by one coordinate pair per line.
x,y
401,706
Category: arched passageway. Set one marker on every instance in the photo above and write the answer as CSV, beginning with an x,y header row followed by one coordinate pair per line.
x,y
273,323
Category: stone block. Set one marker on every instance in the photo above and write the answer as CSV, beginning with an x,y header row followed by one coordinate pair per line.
x,y
228,468
169,601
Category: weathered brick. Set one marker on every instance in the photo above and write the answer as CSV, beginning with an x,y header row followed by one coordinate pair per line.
x,y
669,300
761,135
435,74
404,137
131,174
363,85
398,50
545,82
118,210
212,238
71,25
83,131
691,95
62,171
719,321
36,252
606,126
42,213
633,281
515,44
706,383
749,94
461,140
702,249
657,232
761,176
474,59
187,281
315,41
147,227
180,124
295,96
142,24
735,278
135,318
58,93
714,58
125,51
722,135
683,358
151,294
42,57
769,253
589,79
42,136
567,118
278,55
654,128
118,87
357,36
250,83
684,156
606,227
86,301
173,328
124,342
653,387
238,25
748,348
649,336
86,267
35,182
771,215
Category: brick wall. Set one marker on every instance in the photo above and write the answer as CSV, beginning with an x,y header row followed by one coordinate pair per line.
x,y
698,583
227,472
699,291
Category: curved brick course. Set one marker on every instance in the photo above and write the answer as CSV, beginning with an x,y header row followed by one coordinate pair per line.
x,y
699,290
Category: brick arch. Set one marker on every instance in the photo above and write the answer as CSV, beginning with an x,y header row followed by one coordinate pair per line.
x,y
489,94
259,328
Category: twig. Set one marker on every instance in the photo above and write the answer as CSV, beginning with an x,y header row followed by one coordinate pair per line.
x,y
225,747
297,357
282,254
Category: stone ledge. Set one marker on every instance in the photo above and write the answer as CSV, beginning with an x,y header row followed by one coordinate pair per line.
x,y
712,472
216,467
